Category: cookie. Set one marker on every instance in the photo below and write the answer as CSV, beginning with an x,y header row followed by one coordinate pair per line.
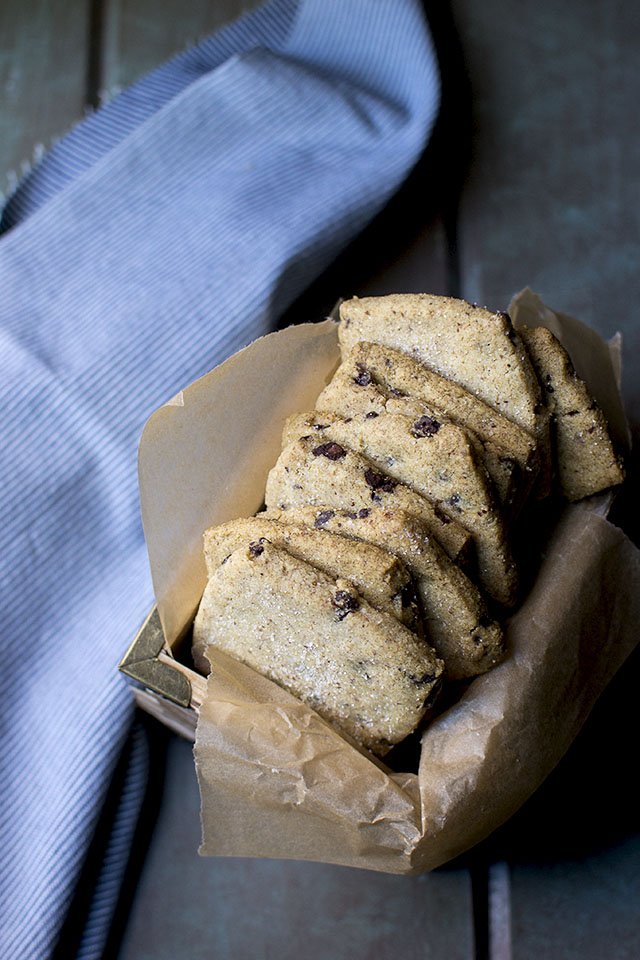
x,y
436,460
503,472
586,461
318,638
457,620
310,471
471,346
375,378
381,579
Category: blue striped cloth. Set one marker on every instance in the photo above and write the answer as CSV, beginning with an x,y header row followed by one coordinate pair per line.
x,y
150,244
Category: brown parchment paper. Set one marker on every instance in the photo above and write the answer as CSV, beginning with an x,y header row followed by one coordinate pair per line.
x,y
275,779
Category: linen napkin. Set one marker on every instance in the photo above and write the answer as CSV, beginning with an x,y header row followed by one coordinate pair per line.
x,y
149,245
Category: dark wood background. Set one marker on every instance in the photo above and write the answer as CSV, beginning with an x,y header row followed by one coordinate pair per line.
x,y
533,178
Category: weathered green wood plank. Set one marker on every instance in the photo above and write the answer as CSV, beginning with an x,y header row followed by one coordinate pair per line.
x,y
43,77
278,909
574,848
551,201
553,191
141,34
419,265
579,910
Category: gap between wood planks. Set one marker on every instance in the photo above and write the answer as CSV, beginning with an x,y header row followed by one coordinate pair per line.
x,y
491,898
95,65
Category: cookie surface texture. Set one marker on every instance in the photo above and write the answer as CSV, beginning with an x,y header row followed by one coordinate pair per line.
x,y
376,378
381,579
586,461
436,460
310,471
457,621
467,344
358,668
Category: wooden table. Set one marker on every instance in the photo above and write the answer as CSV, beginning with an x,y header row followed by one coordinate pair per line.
x,y
532,179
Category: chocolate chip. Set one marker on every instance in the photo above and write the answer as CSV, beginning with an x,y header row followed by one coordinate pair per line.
x,y
425,427
363,377
424,679
442,517
371,415
345,603
454,500
380,481
256,548
364,513
332,451
396,392
320,426
351,515
323,516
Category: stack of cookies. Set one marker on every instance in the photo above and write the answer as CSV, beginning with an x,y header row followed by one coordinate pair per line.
x,y
382,565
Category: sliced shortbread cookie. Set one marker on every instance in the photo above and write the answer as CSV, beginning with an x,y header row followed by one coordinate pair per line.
x,y
586,461
357,667
474,347
383,580
437,461
456,617
309,472
347,398
503,472
352,390
374,377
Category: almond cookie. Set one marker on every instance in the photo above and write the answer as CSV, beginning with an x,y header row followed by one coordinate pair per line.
x,y
373,377
586,461
380,578
436,460
309,472
357,667
456,617
467,344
